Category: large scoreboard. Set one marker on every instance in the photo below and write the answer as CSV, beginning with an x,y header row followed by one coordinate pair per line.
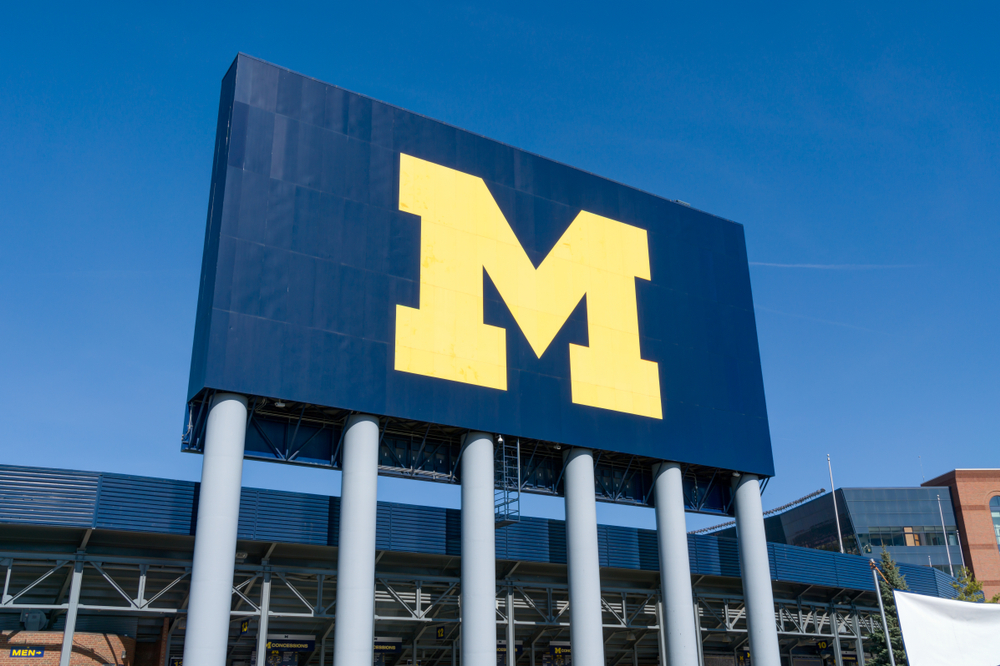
x,y
365,258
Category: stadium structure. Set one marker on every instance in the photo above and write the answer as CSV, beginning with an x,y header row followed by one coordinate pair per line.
x,y
385,294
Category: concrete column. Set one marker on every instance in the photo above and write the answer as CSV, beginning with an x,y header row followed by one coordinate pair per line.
x,y
756,571
74,605
207,626
586,634
479,625
675,567
354,629
265,616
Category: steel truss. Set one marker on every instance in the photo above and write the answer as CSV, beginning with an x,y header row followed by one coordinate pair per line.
x,y
297,598
724,616
303,434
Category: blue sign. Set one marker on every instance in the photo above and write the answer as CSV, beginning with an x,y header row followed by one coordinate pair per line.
x,y
362,257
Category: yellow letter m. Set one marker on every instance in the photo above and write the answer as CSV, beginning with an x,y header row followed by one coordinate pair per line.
x,y
462,232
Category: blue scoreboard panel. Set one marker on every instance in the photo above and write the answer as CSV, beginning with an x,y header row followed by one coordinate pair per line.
x,y
362,257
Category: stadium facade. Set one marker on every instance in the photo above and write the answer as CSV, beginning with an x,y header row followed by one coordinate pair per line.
x,y
113,554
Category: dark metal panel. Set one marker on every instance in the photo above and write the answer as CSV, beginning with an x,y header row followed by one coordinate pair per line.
x,y
146,505
714,557
801,565
383,527
292,517
417,529
921,580
853,572
248,514
38,496
622,547
943,585
533,540
307,256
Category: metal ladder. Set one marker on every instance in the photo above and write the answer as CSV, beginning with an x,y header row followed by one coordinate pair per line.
x,y
507,477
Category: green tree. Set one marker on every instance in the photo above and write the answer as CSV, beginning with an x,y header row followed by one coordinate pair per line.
x,y
968,588
879,650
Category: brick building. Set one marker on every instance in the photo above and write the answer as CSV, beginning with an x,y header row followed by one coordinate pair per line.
x,y
976,499
89,649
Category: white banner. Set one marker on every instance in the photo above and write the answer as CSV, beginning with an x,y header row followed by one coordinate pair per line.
x,y
942,632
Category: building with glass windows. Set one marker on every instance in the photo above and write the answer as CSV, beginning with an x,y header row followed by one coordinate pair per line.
x,y
977,511
907,522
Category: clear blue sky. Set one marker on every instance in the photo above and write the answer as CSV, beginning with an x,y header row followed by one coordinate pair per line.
x,y
858,146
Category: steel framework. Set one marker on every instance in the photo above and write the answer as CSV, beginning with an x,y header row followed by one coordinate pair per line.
x,y
302,434
415,596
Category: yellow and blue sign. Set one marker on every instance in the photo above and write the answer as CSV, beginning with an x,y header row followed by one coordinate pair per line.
x,y
362,257
29,652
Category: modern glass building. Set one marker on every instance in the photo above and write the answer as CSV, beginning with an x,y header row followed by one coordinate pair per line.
x,y
905,521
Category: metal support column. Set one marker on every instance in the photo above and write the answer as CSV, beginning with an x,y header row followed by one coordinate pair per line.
x,y
478,596
756,572
838,654
586,633
859,644
511,652
265,612
207,632
661,632
74,604
354,629
697,628
675,567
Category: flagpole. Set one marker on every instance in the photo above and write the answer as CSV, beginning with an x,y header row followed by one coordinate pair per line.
x,y
881,608
947,548
836,513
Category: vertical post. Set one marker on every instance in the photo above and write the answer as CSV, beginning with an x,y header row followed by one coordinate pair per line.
x,y
756,572
675,566
661,633
836,511
207,625
881,609
164,632
697,627
74,605
478,596
838,656
265,615
859,645
354,629
511,653
586,633
947,546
